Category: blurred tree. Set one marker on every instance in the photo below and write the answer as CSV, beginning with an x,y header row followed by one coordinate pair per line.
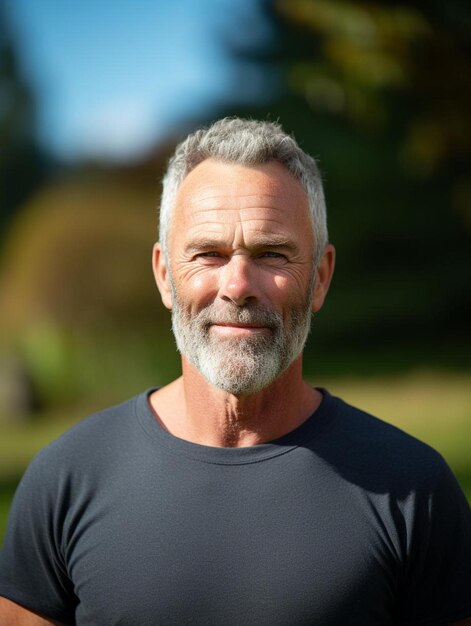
x,y
78,302
21,160
381,65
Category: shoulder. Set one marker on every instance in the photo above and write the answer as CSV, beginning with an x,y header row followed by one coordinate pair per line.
x,y
370,451
90,444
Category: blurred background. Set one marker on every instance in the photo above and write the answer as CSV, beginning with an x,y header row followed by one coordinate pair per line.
x,y
94,97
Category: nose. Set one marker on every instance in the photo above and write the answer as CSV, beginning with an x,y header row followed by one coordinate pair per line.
x,y
237,280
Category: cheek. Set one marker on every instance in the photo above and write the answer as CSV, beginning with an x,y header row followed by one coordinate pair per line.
x,y
203,285
279,284
282,293
197,286
288,287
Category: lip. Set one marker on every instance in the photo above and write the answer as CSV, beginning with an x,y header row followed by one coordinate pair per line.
x,y
236,329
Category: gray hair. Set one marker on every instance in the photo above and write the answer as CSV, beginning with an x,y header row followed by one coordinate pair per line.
x,y
249,143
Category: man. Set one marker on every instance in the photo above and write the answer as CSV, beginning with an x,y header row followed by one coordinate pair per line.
x,y
238,494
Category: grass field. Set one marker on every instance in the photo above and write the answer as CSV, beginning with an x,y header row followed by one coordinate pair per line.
x,y
434,407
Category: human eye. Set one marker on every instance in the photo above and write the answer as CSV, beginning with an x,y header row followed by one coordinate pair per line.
x,y
273,256
208,257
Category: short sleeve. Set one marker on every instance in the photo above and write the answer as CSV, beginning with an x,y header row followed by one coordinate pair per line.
x,y
437,581
32,569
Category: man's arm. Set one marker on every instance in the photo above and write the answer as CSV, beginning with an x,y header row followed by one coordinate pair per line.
x,y
12,614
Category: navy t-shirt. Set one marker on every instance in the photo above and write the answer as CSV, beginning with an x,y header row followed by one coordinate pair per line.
x,y
346,520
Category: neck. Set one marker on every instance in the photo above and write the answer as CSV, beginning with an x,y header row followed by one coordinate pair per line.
x,y
192,409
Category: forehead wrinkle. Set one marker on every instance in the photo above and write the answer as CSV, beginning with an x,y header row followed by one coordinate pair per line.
x,y
234,200
265,220
213,212
261,226
245,218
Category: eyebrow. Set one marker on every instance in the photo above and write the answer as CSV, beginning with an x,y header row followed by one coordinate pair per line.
x,y
206,244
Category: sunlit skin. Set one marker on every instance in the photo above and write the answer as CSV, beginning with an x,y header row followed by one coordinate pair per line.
x,y
239,234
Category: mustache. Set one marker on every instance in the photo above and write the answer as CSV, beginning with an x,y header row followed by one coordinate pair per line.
x,y
231,314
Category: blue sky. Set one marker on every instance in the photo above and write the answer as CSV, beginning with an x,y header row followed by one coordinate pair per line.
x,y
113,76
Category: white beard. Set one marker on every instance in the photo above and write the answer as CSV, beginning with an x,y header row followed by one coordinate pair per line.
x,y
240,365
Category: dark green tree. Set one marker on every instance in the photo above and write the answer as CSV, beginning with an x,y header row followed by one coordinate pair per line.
x,y
21,160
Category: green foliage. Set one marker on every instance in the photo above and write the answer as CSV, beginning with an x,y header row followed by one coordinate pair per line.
x,y
376,64
66,367
363,49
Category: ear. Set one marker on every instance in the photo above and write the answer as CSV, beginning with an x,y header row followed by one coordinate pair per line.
x,y
161,275
324,275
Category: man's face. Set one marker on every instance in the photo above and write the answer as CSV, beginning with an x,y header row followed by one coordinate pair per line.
x,y
241,273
